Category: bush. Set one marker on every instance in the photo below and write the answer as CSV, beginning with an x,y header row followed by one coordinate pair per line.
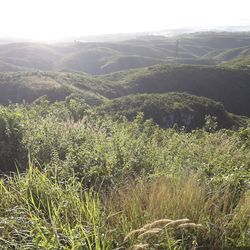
x,y
12,151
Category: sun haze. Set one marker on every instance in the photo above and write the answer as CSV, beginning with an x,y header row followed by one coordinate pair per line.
x,y
56,19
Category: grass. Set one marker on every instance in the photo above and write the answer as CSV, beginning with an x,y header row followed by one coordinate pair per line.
x,y
181,197
38,212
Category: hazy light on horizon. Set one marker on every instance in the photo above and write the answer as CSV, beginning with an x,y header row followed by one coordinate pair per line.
x,y
56,19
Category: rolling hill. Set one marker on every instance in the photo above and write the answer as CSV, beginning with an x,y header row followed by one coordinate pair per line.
x,y
17,87
169,109
228,86
97,58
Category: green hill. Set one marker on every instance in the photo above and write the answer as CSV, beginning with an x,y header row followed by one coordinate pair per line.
x,y
169,109
241,63
240,58
235,58
210,41
7,67
16,87
228,86
28,86
118,63
30,55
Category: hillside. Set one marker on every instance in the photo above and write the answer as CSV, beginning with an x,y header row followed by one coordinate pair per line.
x,y
241,59
228,86
169,109
212,41
7,67
28,86
16,87
30,55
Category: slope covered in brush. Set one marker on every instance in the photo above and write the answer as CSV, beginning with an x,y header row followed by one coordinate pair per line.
x,y
16,87
228,86
28,86
169,109
241,61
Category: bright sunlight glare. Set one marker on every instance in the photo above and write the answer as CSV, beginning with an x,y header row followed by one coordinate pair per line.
x,y
57,19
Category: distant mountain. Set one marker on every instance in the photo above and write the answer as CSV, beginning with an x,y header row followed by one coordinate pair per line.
x,y
97,58
166,33
7,67
8,40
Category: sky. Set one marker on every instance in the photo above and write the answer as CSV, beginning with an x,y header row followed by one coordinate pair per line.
x,y
57,19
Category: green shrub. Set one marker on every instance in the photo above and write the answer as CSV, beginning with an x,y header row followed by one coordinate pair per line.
x,y
12,151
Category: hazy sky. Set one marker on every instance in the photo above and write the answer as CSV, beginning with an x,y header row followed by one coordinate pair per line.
x,y
55,19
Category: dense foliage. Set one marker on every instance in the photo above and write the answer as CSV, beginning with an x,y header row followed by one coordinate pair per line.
x,y
11,150
171,109
228,86
91,181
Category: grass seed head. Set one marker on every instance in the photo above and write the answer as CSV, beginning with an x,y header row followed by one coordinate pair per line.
x,y
149,233
140,247
134,233
157,223
177,222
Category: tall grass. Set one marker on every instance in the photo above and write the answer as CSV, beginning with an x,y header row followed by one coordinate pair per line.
x,y
139,203
37,212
